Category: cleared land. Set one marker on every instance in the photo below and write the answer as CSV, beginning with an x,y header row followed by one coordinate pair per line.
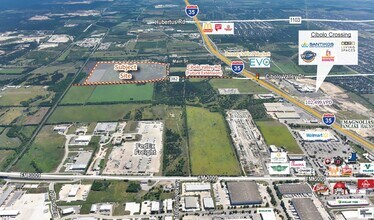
x,y
92,113
210,149
44,154
108,93
244,85
14,96
277,134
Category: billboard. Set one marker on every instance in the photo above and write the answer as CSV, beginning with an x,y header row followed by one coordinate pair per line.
x,y
367,168
365,183
212,28
279,168
259,62
278,157
298,164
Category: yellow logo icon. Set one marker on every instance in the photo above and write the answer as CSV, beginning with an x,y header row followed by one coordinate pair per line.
x,y
207,27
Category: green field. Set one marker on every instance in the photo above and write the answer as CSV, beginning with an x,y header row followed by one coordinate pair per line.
x,y
91,113
12,71
14,96
46,151
210,149
277,134
6,142
243,85
108,93
4,155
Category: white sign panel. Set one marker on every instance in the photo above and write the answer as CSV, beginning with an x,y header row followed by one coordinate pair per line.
x,y
174,79
213,28
367,168
278,157
298,164
259,62
295,20
326,49
279,168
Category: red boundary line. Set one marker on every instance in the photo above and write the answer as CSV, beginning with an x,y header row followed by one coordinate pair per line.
x,y
86,83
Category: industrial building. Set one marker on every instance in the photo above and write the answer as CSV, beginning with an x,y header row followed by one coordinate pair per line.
x,y
197,187
105,128
281,111
81,161
306,209
82,140
208,203
191,203
244,193
295,189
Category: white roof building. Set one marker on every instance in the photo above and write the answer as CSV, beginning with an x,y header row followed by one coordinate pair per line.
x,y
196,187
5,213
67,211
105,208
155,206
74,190
208,203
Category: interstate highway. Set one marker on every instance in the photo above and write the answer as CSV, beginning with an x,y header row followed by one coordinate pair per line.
x,y
353,136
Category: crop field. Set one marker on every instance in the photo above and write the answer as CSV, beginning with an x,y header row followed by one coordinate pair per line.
x,y
210,149
277,134
45,153
92,113
15,96
243,85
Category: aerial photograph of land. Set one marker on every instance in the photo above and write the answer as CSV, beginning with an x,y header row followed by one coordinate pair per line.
x,y
186,109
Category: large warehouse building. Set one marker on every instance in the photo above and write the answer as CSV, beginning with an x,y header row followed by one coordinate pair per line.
x,y
305,208
244,193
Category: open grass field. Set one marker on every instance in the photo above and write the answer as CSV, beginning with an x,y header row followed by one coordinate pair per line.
x,y
12,71
116,192
14,96
9,115
6,142
91,113
46,151
4,154
244,85
78,94
210,149
108,93
277,134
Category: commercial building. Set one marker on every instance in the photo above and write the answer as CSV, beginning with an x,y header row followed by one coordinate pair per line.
x,y
155,207
197,187
8,213
317,135
293,189
208,203
281,110
81,161
305,209
105,128
191,203
73,191
244,193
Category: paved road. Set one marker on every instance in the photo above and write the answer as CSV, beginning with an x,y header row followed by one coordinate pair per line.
x,y
353,136
52,176
287,20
